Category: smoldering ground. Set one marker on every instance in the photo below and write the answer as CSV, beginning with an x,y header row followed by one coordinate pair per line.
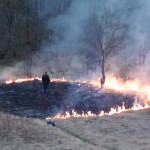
x,y
28,99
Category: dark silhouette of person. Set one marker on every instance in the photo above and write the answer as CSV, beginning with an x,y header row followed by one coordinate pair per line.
x,y
46,81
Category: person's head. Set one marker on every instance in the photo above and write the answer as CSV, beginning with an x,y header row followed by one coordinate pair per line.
x,y
45,72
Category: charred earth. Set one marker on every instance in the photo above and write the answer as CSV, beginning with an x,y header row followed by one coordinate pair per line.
x,y
28,99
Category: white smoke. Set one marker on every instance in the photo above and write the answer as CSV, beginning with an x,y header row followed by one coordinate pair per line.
x,y
65,55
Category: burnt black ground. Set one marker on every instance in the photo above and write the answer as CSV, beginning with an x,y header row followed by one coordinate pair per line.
x,y
27,99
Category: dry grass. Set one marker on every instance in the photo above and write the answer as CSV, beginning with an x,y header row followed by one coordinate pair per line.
x,y
33,134
126,131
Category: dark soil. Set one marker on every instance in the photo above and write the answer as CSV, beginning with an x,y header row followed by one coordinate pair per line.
x,y
28,99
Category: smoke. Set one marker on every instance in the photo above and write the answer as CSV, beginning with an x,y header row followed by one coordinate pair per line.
x,y
11,72
71,55
69,32
68,46
136,52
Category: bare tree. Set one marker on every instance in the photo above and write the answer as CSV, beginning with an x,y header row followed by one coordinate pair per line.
x,y
108,38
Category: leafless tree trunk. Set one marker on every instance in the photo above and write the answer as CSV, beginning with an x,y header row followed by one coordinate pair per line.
x,y
29,43
109,38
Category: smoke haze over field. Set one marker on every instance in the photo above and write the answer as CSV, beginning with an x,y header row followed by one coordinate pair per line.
x,y
69,34
70,54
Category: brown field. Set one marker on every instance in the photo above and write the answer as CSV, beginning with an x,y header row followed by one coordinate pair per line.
x,y
126,131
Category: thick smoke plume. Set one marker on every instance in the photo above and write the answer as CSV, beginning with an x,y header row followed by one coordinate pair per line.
x,y
73,49
71,55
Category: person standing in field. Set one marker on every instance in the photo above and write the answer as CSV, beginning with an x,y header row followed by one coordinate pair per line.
x,y
46,82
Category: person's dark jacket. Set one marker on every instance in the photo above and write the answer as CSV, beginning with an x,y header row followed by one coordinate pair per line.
x,y
45,79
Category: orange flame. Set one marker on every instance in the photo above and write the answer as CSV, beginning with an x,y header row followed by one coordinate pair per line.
x,y
111,83
21,80
102,113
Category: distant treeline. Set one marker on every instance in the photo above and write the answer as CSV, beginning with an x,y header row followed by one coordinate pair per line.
x,y
24,26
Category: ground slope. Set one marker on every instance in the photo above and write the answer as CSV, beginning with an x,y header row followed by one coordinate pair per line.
x,y
126,131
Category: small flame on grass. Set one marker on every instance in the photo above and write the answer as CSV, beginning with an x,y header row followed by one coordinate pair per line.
x,y
119,109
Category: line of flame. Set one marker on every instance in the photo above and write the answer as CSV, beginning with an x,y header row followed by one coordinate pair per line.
x,y
21,80
37,78
112,111
111,83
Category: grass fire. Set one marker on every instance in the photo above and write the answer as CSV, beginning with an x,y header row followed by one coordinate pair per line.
x,y
140,100
72,100
74,75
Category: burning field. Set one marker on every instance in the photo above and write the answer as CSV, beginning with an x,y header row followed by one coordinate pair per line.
x,y
97,56
81,111
68,98
82,103
129,130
